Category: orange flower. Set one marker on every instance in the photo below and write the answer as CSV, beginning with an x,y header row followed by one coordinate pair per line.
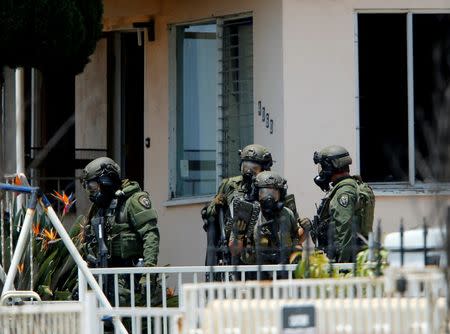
x,y
36,229
50,235
17,181
20,267
67,200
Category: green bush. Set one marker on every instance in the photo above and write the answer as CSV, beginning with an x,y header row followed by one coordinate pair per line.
x,y
50,35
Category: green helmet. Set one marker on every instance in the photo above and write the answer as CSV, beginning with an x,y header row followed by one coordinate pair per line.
x,y
270,179
257,153
102,166
333,158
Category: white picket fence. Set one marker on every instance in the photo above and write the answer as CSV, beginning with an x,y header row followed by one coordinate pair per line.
x,y
350,305
347,305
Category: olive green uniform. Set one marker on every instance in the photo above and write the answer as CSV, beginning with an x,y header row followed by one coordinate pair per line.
x,y
130,227
273,241
338,213
226,193
229,189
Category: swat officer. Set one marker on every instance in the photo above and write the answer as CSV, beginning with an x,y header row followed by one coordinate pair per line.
x,y
121,226
345,216
254,159
276,233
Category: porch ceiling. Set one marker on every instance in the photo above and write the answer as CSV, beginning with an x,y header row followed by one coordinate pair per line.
x,y
120,14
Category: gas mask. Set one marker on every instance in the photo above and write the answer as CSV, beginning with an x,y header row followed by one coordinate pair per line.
x,y
100,191
269,198
249,169
323,179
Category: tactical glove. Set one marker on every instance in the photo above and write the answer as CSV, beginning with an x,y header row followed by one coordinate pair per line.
x,y
305,223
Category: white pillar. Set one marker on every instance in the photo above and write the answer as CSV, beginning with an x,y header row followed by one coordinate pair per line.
x,y
20,119
20,127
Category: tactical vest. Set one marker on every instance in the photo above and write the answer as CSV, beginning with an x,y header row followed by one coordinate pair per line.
x,y
122,239
272,240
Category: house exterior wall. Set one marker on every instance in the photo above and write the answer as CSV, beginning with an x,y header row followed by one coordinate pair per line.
x,y
319,100
91,113
304,74
182,237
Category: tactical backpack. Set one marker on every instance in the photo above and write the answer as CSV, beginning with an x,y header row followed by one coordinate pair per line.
x,y
365,205
364,208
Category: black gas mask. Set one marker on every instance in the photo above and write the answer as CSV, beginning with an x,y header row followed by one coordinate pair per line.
x,y
101,190
324,178
269,198
249,170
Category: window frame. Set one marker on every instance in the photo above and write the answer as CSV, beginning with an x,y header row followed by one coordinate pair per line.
x,y
174,200
412,186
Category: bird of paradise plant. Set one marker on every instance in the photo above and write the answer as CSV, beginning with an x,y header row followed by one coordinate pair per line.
x,y
53,271
68,201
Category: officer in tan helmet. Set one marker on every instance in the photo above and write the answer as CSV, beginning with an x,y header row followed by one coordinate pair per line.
x,y
254,159
276,233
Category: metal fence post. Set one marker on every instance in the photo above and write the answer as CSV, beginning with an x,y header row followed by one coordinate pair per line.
x,y
89,323
402,250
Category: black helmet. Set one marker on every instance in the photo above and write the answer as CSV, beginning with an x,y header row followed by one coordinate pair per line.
x,y
100,167
332,159
101,178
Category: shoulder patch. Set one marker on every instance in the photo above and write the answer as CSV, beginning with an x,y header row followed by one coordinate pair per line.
x,y
343,200
145,201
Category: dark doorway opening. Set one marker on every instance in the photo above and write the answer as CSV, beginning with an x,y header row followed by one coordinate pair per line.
x,y
126,103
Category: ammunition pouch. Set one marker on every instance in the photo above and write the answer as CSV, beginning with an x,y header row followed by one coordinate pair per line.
x,y
248,212
289,202
126,245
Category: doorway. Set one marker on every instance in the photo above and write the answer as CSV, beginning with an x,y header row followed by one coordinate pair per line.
x,y
126,103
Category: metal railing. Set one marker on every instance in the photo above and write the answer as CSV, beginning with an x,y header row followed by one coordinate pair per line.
x,y
175,277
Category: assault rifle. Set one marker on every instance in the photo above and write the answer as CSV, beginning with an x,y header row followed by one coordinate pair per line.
x,y
318,228
98,224
222,246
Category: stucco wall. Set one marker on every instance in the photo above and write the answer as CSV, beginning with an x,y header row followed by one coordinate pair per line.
x,y
304,74
182,238
91,113
319,98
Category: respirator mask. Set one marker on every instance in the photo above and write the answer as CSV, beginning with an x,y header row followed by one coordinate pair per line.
x,y
269,198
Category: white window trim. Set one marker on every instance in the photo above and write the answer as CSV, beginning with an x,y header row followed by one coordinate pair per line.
x,y
187,200
412,187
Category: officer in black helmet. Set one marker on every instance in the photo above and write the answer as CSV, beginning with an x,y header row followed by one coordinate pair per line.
x,y
345,217
121,226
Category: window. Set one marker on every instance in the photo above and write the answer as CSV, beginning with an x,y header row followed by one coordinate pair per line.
x,y
404,84
213,99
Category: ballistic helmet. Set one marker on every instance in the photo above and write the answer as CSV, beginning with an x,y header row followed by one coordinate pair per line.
x,y
101,179
271,191
332,158
257,153
102,166
269,179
